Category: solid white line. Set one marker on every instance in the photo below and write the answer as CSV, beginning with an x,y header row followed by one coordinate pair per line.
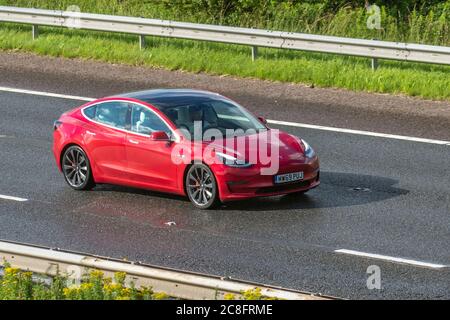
x,y
359,132
12,198
45,94
392,259
283,123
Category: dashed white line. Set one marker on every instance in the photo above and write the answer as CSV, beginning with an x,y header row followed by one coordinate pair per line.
x,y
12,198
283,123
45,94
392,259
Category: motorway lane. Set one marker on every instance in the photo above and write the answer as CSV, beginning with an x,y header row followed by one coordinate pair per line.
x,y
281,240
272,100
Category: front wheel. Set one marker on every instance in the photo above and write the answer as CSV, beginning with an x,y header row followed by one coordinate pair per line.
x,y
201,187
77,169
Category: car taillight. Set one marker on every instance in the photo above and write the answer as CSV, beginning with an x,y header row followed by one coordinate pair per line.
x,y
56,124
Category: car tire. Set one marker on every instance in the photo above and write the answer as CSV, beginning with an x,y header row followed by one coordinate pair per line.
x,y
201,187
76,169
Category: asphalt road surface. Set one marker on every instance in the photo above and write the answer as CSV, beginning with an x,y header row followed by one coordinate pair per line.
x,y
378,196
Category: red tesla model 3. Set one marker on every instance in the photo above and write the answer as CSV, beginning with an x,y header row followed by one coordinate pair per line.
x,y
186,142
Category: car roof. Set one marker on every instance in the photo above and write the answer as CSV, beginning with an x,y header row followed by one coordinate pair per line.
x,y
165,97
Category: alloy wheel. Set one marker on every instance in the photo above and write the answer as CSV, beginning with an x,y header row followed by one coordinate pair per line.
x,y
75,167
200,186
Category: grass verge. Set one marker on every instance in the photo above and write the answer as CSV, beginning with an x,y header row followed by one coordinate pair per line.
x,y
323,70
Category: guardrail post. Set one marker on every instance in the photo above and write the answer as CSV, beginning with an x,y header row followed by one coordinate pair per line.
x,y
374,61
254,53
374,64
34,31
141,42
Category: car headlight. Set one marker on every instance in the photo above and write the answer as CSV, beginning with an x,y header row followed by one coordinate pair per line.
x,y
309,152
232,161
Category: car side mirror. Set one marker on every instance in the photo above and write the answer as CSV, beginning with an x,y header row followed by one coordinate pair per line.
x,y
159,136
263,120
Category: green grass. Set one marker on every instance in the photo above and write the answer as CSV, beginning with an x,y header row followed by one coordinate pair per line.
x,y
415,21
427,81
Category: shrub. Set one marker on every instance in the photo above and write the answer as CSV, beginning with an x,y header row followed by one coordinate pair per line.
x,y
19,285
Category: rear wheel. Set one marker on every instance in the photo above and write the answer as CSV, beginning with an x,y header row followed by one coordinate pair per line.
x,y
201,187
77,169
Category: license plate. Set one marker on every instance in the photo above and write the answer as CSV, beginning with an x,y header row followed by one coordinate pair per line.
x,y
289,177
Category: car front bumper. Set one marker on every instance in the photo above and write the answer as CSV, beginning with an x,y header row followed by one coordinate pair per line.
x,y
245,183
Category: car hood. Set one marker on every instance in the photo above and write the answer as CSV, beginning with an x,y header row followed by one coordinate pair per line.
x,y
287,148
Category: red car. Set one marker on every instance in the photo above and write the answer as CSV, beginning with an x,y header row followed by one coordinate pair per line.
x,y
185,142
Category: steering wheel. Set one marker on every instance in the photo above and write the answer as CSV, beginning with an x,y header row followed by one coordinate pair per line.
x,y
211,126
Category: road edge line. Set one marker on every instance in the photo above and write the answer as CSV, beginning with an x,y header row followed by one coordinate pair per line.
x,y
412,262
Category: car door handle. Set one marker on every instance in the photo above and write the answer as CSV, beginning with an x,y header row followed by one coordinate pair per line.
x,y
133,141
91,133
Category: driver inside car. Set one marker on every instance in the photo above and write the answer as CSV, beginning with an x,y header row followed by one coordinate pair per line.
x,y
204,114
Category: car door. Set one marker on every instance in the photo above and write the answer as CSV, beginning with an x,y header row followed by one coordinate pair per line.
x,y
149,161
105,135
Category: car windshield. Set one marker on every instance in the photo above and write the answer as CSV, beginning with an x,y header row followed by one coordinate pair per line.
x,y
189,113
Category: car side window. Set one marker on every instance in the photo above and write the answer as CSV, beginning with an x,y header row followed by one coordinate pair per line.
x,y
90,112
112,114
145,121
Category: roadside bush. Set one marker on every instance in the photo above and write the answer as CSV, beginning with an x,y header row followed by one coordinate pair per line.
x,y
19,285
16,284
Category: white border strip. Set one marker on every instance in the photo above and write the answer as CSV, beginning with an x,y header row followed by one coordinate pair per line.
x,y
45,94
12,198
359,132
282,123
392,259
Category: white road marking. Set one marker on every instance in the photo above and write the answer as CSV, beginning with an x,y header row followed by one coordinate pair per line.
x,y
392,259
359,132
283,123
45,94
12,198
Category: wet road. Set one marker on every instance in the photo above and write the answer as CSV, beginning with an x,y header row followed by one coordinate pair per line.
x,y
400,208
